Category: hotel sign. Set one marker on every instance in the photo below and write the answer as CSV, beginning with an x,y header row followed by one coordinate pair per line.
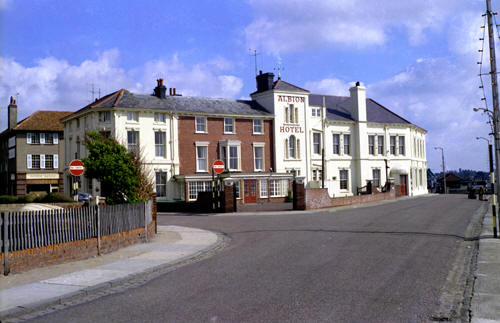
x,y
291,99
291,129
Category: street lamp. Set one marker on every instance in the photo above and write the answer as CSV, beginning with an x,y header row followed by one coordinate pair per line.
x,y
492,183
444,172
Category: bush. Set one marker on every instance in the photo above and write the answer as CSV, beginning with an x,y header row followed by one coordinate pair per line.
x,y
56,198
36,197
7,199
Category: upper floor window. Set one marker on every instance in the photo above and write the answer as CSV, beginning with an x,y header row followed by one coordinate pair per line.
x,y
371,145
257,126
316,112
49,138
401,145
347,144
201,158
159,144
132,116
380,145
336,143
292,147
104,116
200,124
392,142
159,117
291,114
316,143
228,125
133,141
258,157
33,138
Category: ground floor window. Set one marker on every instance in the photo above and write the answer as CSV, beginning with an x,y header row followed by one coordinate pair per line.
x,y
278,187
238,190
376,177
263,188
198,186
344,179
161,183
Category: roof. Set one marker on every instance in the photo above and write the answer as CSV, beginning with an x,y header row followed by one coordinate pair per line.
x,y
285,86
339,108
128,100
43,121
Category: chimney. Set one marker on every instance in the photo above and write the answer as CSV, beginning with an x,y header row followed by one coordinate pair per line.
x,y
12,111
358,102
264,81
160,90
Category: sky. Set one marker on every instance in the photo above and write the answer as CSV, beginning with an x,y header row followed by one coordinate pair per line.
x,y
416,57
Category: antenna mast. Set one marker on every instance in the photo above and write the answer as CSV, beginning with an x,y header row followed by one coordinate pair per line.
x,y
255,58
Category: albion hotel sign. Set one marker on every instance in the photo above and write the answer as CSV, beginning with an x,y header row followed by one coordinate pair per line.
x,y
291,99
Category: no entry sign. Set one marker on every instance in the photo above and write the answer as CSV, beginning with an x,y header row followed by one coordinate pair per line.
x,y
76,167
218,166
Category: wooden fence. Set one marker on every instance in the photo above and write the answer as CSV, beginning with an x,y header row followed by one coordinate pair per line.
x,y
33,229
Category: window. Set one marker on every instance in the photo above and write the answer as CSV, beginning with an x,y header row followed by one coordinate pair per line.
x,y
316,112
133,141
344,180
104,116
161,184
230,154
380,145
371,145
263,188
257,126
105,134
238,189
401,145
159,144
198,186
233,157
200,124
132,116
258,155
291,114
347,144
420,176
376,177
278,187
201,158
336,143
317,174
159,117
35,162
292,147
316,143
49,161
228,125
49,138
33,138
392,140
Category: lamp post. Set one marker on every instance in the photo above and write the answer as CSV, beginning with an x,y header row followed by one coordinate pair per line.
x,y
492,183
444,171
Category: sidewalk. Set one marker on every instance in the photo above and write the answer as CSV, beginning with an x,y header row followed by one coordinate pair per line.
x,y
35,289
485,304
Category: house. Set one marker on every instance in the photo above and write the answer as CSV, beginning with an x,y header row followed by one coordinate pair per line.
x,y
30,152
282,132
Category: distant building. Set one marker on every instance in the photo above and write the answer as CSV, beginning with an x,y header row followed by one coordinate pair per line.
x,y
30,152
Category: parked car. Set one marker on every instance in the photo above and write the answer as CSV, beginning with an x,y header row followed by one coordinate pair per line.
x,y
84,197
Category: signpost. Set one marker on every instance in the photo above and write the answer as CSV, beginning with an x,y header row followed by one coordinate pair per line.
x,y
217,167
76,169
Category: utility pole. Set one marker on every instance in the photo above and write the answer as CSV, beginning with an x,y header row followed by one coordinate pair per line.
x,y
444,170
492,182
494,90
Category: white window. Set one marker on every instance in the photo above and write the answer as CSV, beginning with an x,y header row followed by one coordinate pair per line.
x,y
291,114
263,188
230,154
392,142
160,144
316,112
196,187
104,116
233,157
201,158
257,126
380,145
316,143
258,157
228,125
238,189
132,141
200,124
401,145
278,187
132,116
347,144
344,179
317,174
371,145
33,138
161,184
292,147
159,117
376,177
336,143
42,137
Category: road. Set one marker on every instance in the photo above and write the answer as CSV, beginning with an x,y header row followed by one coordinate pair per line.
x,y
386,263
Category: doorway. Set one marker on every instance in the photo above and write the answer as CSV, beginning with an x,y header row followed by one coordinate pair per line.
x,y
250,191
403,184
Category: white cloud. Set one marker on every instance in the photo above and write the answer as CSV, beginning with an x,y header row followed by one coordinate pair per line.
x,y
284,25
329,86
56,84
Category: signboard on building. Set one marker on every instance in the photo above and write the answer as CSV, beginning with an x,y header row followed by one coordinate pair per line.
x,y
218,166
76,167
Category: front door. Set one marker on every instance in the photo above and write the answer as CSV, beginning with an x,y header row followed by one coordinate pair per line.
x,y
403,179
250,191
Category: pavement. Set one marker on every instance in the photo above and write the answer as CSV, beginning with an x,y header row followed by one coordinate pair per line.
x,y
485,304
31,291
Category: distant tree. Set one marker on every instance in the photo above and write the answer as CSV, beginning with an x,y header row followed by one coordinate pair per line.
x,y
111,164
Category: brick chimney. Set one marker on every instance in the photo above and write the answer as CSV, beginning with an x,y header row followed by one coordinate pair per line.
x,y
358,102
160,90
12,111
264,81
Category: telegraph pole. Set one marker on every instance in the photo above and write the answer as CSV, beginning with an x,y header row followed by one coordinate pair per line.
x,y
444,169
494,91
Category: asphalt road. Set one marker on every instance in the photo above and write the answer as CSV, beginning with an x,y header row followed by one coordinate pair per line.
x,y
386,263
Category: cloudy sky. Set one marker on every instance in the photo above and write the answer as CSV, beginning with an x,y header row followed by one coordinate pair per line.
x,y
416,57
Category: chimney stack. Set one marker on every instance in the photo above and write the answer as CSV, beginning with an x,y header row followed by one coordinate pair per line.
x,y
264,81
160,90
12,111
358,102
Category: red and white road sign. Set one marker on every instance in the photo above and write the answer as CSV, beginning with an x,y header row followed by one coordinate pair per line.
x,y
76,167
218,166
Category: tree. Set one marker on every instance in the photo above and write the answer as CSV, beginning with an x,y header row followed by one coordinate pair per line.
x,y
109,162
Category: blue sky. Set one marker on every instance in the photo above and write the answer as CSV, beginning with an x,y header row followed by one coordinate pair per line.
x,y
416,57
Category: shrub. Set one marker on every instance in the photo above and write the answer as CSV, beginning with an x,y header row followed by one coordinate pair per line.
x,y
7,199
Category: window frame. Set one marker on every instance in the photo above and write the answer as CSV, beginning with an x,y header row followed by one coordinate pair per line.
x,y
376,180
344,181
347,146
157,118
401,147
162,145
262,159
132,116
197,123
161,184
198,158
263,188
254,125
380,145
392,145
371,144
336,146
232,125
130,146
316,138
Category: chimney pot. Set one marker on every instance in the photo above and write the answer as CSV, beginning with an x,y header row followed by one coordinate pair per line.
x,y
160,90
358,84
264,81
